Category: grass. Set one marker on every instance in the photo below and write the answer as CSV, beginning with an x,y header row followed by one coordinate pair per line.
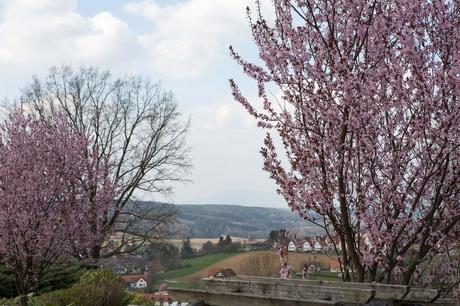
x,y
188,285
175,277
192,265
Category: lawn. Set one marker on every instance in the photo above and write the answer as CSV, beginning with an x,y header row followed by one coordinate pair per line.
x,y
199,284
192,265
196,268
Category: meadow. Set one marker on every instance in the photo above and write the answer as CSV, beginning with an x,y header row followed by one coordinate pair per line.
x,y
254,263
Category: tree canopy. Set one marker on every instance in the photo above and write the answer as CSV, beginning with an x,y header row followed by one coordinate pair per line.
x,y
135,122
369,119
54,194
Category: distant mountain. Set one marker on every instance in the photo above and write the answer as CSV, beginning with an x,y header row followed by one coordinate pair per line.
x,y
213,220
206,221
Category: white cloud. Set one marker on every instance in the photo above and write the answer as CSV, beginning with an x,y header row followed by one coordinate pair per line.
x,y
184,44
148,9
223,114
187,37
109,38
233,116
35,35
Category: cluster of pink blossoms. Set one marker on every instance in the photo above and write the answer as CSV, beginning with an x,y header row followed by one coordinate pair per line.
x,y
53,196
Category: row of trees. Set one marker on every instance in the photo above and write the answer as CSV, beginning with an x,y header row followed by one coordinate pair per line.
x,y
369,119
223,245
277,235
75,150
167,254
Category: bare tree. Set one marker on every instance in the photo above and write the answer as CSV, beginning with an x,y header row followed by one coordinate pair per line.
x,y
138,125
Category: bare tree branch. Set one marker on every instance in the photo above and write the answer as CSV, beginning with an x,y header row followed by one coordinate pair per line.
x,y
132,120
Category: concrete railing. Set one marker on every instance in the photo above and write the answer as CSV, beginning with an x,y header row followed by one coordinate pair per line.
x,y
262,291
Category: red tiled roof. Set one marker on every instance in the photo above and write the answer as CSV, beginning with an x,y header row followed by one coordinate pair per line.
x,y
218,272
213,271
132,278
157,296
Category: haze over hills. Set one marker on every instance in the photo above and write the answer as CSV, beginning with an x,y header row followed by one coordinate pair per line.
x,y
241,221
243,197
214,220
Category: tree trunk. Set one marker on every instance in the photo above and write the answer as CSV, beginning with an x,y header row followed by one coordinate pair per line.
x,y
347,229
21,289
24,300
96,252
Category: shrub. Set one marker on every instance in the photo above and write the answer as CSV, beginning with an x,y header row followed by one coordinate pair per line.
x,y
7,287
33,301
96,288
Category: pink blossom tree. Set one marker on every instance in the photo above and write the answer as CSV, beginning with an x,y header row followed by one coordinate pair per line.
x,y
52,197
281,248
369,118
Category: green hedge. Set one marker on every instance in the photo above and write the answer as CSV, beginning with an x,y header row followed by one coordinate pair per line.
x,y
95,288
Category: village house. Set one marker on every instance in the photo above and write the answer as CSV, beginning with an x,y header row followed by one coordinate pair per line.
x,y
161,297
221,273
334,266
321,244
329,244
307,246
335,240
121,269
317,245
135,281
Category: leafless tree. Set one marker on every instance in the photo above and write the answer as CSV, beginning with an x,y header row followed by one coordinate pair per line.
x,y
138,125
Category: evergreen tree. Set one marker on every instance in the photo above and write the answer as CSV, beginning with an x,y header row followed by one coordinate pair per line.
x,y
228,241
273,236
220,244
187,251
208,247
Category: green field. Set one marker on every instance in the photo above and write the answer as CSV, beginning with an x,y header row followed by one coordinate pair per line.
x,y
190,266
175,278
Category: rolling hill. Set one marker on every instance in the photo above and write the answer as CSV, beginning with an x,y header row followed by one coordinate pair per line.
x,y
213,220
240,221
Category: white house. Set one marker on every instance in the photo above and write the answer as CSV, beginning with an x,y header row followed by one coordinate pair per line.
x,y
335,266
135,281
328,245
318,247
307,246
141,283
291,246
121,270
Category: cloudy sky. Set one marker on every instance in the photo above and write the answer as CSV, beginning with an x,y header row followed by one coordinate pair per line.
x,y
182,43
